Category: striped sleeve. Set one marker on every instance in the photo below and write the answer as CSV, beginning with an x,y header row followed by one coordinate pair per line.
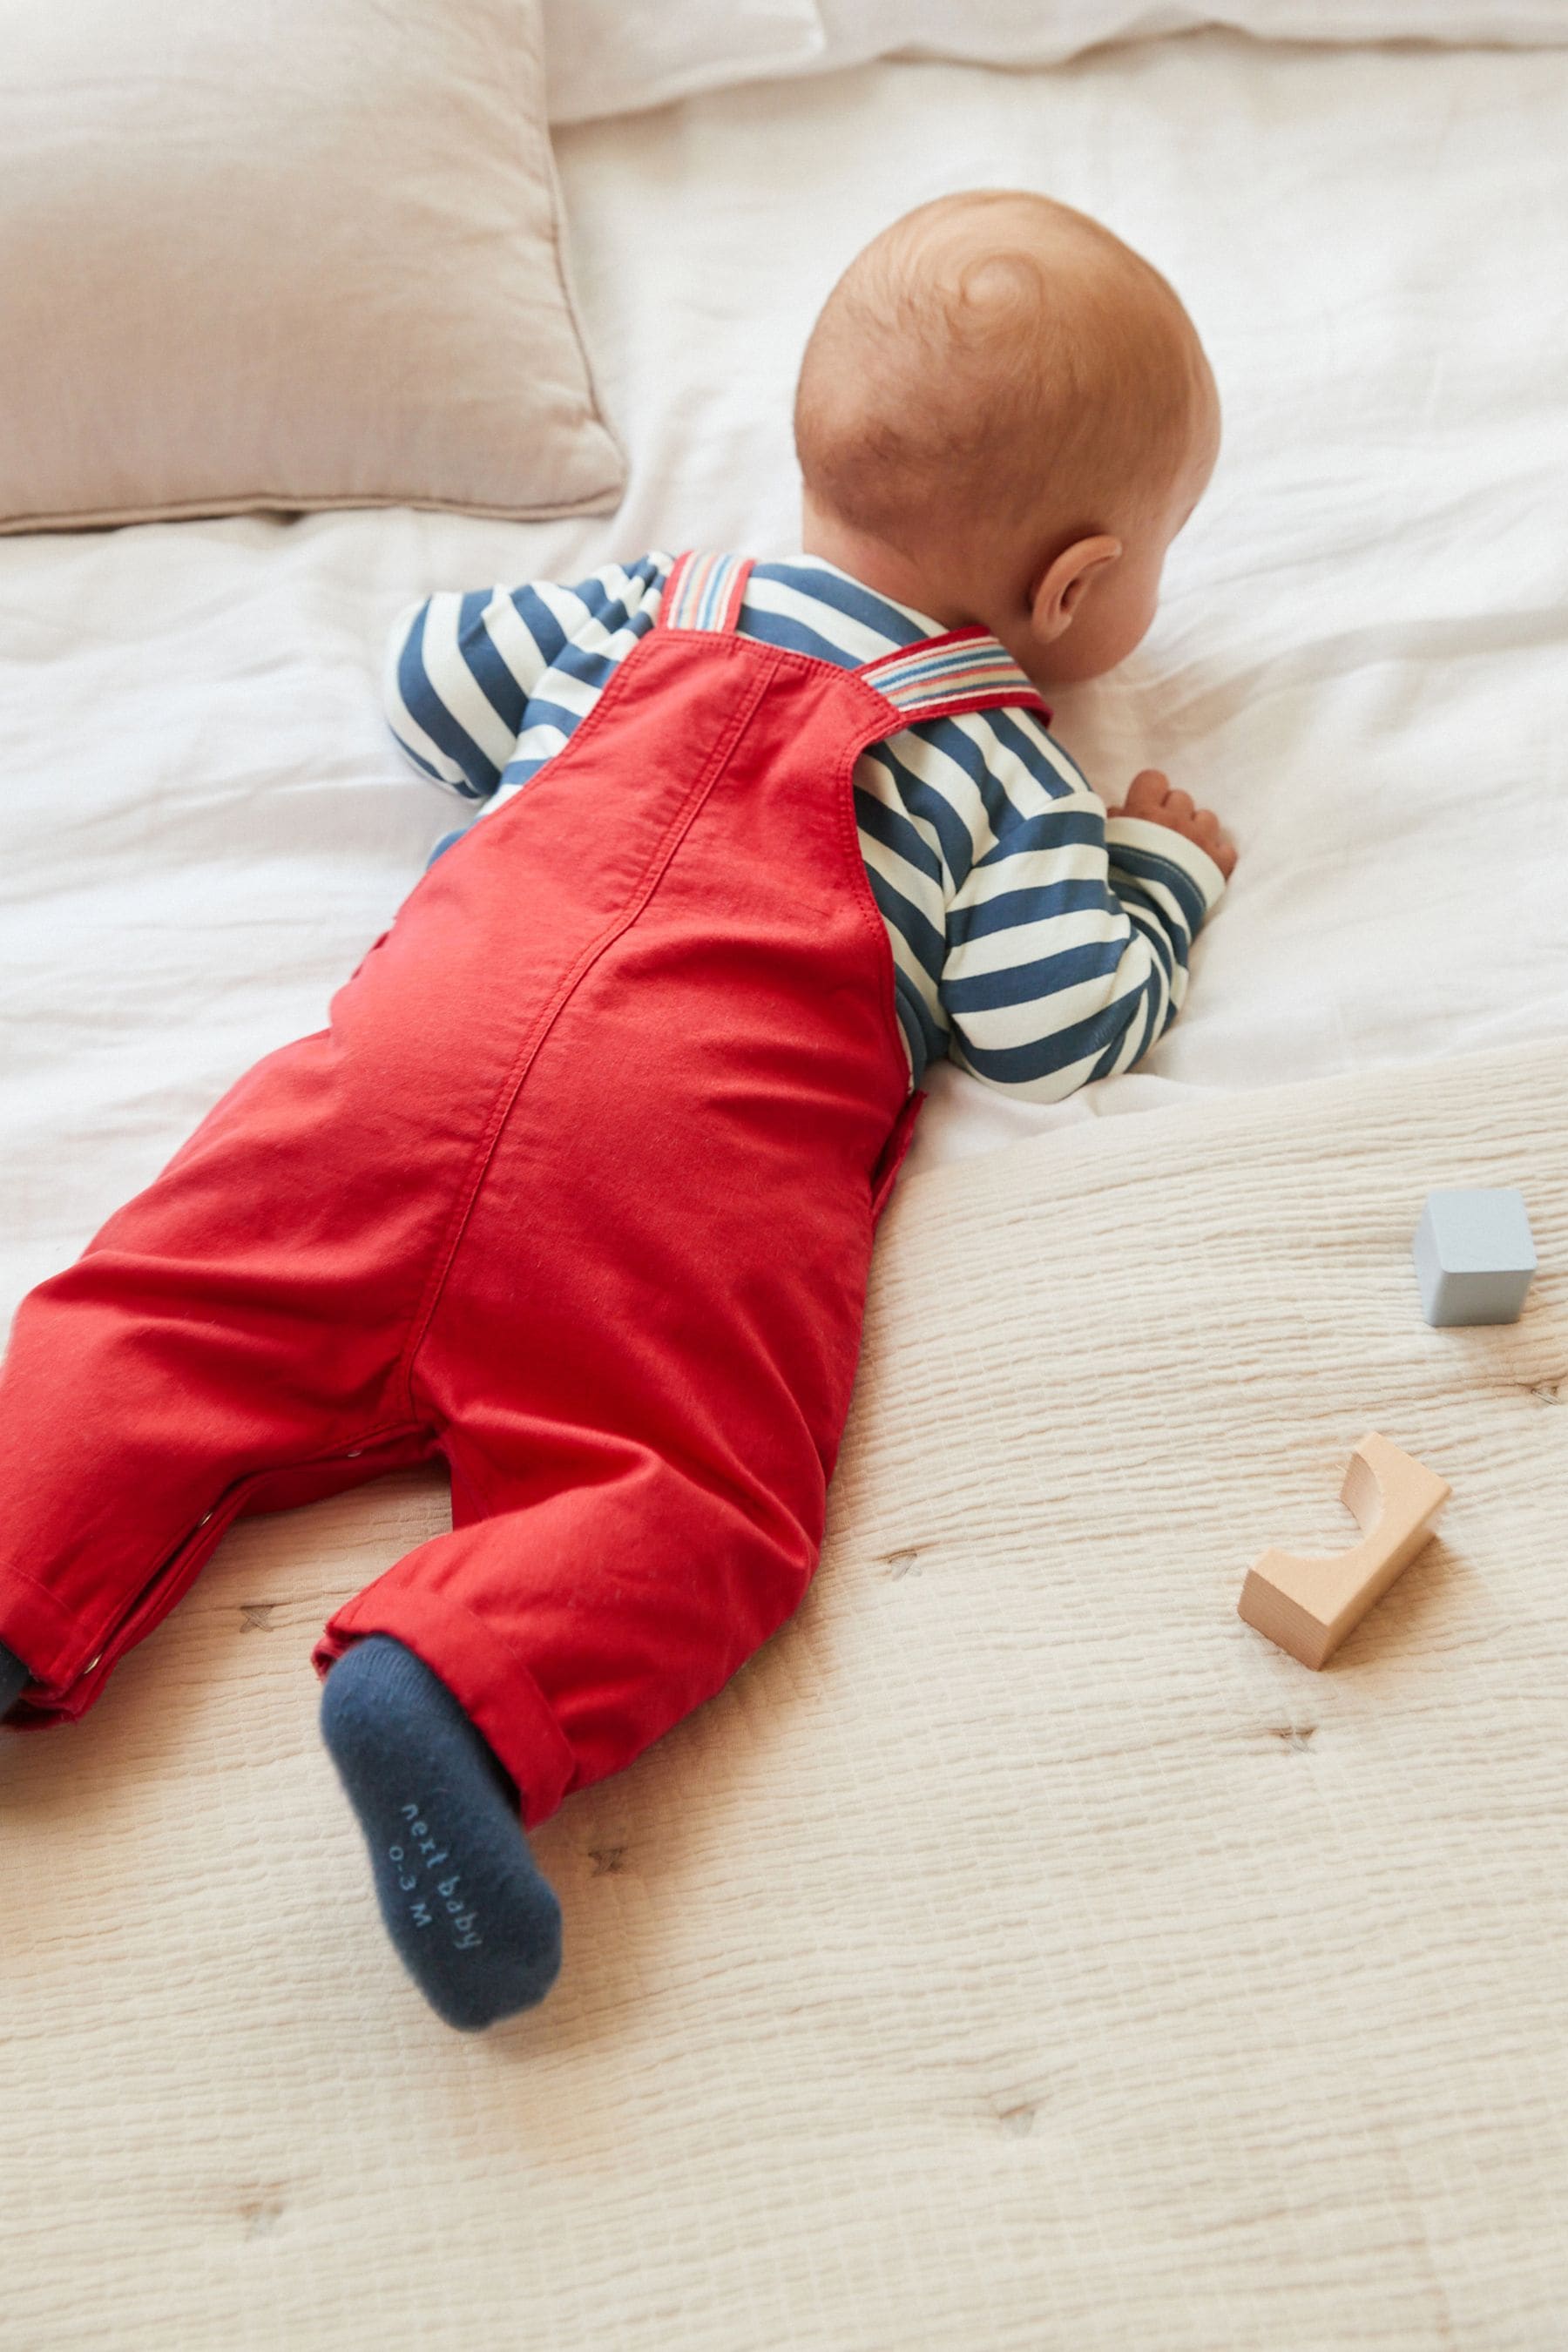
x,y
1069,942
462,667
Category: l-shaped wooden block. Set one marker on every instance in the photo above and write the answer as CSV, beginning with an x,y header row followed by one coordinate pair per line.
x,y
1308,1606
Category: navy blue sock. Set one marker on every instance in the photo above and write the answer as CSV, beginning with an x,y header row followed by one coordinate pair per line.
x,y
14,1676
476,1926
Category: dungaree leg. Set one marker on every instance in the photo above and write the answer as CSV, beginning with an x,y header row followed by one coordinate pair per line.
x,y
594,1600
223,1344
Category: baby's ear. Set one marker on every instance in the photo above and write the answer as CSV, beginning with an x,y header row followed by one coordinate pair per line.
x,y
1062,584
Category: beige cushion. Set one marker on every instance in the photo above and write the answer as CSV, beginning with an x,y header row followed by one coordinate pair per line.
x,y
302,253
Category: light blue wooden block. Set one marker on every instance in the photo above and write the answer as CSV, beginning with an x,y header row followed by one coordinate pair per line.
x,y
1474,1256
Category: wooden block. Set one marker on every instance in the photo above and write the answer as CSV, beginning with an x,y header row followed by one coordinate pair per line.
x,y
1308,1606
1474,1257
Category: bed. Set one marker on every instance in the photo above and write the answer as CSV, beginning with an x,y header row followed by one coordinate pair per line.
x,y
1019,1952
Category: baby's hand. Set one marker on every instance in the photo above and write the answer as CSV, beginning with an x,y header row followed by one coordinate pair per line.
x,y
1149,796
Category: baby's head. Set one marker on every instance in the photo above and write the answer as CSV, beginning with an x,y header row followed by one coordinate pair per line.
x,y
1004,417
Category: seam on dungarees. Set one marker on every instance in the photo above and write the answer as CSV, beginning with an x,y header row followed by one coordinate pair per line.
x,y
469,1193
174,1564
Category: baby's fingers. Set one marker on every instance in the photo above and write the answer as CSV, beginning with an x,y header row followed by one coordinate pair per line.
x,y
1151,797
1146,795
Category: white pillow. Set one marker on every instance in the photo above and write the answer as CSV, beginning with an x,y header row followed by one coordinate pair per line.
x,y
1043,32
610,57
295,253
613,57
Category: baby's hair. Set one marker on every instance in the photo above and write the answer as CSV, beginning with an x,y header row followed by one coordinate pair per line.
x,y
995,353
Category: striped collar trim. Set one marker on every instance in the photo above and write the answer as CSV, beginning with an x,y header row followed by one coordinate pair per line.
x,y
966,669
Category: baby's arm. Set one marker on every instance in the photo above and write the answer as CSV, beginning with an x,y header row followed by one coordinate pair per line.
x,y
460,670
1068,940
464,671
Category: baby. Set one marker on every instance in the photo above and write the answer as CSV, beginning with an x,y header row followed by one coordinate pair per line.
x,y
577,1190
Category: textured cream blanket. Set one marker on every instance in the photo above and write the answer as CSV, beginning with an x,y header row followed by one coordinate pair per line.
x,y
1020,1953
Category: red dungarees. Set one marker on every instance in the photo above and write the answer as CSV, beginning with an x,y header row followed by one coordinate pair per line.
x,y
576,1191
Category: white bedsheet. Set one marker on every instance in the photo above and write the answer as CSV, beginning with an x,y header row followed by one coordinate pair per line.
x,y
1359,659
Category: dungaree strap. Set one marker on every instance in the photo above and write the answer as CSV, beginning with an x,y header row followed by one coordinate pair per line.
x,y
966,670
704,591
